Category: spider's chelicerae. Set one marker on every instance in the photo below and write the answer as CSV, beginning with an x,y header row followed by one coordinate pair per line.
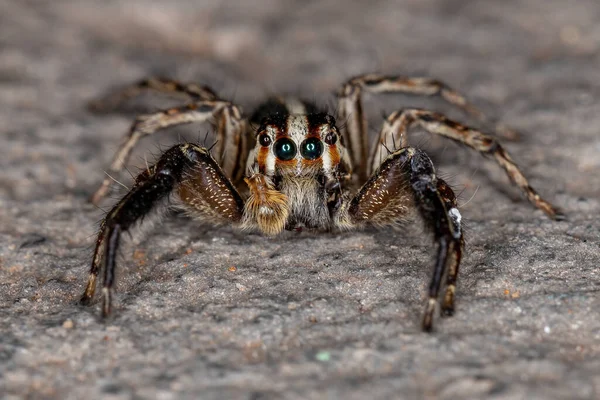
x,y
291,165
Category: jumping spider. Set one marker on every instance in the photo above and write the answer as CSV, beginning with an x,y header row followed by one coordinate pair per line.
x,y
302,169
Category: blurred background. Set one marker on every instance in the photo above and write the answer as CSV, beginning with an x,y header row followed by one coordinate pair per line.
x,y
214,313
57,56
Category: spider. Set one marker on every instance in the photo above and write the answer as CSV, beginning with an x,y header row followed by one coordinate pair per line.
x,y
291,166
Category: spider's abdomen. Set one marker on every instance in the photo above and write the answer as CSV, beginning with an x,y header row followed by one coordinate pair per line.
x,y
282,107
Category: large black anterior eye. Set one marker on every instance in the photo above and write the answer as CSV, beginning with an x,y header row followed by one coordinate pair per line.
x,y
311,148
285,149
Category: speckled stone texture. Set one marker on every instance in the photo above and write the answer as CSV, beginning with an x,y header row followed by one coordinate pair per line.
x,y
218,314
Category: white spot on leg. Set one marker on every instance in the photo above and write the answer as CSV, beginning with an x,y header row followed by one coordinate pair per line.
x,y
455,214
456,218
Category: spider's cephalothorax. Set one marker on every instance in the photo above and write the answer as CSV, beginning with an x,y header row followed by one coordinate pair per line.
x,y
293,171
290,166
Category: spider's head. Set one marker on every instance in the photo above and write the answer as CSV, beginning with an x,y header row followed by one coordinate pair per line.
x,y
298,145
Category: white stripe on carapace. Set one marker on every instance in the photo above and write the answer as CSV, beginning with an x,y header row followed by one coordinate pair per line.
x,y
271,160
294,105
297,128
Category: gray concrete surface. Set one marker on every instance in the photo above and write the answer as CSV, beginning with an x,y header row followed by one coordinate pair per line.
x,y
301,316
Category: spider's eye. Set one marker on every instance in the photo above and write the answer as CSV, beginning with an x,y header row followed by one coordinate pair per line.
x,y
311,148
285,149
331,138
264,140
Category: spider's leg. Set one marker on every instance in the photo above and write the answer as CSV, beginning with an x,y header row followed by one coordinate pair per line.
x,y
189,91
423,86
404,181
392,136
449,198
396,129
353,127
185,168
230,135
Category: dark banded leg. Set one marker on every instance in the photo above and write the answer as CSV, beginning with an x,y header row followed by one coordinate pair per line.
x,y
230,129
350,105
405,180
353,127
202,187
397,124
189,91
449,199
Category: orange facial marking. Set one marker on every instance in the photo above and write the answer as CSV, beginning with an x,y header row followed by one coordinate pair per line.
x,y
334,154
287,164
261,158
316,161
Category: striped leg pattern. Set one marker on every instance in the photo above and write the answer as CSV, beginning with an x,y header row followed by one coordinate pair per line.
x,y
395,130
205,106
351,113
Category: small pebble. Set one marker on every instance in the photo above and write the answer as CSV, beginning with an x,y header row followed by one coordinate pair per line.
x,y
323,356
68,324
546,329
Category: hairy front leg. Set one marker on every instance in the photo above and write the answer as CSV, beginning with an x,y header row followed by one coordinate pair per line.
x,y
449,198
405,181
202,186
